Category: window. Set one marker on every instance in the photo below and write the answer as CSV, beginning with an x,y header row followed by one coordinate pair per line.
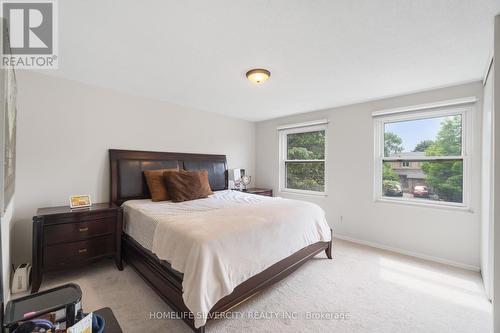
x,y
421,155
303,158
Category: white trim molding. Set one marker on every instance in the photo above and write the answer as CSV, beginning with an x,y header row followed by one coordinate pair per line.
x,y
304,124
408,253
427,106
420,203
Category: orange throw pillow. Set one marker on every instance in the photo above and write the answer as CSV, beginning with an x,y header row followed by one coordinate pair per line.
x,y
187,185
156,184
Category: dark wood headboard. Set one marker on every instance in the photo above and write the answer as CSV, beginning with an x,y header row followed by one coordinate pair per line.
x,y
126,167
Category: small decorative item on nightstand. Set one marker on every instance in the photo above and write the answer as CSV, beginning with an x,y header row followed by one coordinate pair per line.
x,y
246,180
80,201
64,238
235,178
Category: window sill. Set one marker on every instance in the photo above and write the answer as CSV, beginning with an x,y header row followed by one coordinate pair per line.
x,y
303,192
418,203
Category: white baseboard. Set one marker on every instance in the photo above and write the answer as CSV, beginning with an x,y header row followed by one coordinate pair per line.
x,y
409,253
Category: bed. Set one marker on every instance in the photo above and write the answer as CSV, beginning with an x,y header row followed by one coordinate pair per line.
x,y
162,230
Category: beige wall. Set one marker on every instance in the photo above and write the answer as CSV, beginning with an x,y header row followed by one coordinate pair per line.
x,y
486,251
65,129
496,178
443,234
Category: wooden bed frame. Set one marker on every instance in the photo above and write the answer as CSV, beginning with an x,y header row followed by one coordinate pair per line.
x,y
127,183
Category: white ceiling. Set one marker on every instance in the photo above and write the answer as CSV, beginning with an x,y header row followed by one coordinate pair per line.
x,y
321,53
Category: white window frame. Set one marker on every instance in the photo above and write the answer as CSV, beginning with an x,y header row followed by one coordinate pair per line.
x,y
465,109
283,131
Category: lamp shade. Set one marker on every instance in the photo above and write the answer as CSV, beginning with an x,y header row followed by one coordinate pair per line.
x,y
234,174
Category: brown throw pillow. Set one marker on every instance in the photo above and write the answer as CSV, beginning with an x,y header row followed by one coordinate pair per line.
x,y
156,184
187,185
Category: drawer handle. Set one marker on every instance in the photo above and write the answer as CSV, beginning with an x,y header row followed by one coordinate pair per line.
x,y
83,229
81,251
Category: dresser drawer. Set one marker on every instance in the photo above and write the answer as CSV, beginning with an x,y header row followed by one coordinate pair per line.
x,y
60,255
68,232
78,217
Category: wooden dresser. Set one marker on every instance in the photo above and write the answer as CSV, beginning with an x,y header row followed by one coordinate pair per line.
x,y
64,238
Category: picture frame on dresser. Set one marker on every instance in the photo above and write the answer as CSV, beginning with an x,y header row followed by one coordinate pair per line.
x,y
80,201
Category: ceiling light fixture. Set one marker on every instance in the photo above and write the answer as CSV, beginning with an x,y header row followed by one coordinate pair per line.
x,y
258,75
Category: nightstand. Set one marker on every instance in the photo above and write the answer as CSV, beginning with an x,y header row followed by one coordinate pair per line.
x,y
259,191
64,238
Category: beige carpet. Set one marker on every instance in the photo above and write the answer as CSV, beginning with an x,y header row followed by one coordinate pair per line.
x,y
361,290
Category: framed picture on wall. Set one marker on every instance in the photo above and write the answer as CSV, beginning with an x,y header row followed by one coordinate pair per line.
x,y
8,119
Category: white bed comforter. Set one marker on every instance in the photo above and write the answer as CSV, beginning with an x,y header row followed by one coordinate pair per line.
x,y
221,241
